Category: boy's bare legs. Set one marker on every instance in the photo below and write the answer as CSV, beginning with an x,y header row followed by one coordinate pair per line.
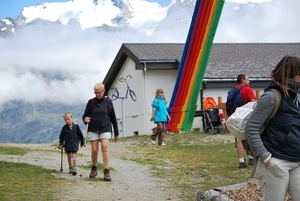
x,y
72,163
69,159
74,159
69,156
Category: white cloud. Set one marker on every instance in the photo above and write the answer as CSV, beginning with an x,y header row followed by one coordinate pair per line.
x,y
62,63
274,21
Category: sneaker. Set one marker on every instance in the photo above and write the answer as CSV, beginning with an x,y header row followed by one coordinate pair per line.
x,y
153,142
93,173
251,161
163,144
242,165
106,175
74,172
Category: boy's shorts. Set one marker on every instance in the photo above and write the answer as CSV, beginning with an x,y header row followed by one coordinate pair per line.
x,y
98,136
71,152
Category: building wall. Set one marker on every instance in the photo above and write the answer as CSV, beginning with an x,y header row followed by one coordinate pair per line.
x,y
129,111
164,79
144,83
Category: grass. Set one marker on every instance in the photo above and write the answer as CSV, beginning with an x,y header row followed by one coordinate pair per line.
x,y
6,150
21,181
27,182
191,162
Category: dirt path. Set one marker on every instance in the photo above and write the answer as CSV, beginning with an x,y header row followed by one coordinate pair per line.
x,y
130,181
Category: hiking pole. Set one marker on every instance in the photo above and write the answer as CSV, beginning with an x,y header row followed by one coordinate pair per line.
x,y
61,157
83,154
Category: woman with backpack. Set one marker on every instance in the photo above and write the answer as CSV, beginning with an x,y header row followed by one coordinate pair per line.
x,y
278,148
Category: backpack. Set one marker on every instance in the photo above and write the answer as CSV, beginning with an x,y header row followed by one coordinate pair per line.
x,y
234,100
108,102
236,123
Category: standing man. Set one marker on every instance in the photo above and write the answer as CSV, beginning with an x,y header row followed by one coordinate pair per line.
x,y
100,114
248,96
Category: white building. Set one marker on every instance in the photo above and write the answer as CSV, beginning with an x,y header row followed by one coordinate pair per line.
x,y
155,65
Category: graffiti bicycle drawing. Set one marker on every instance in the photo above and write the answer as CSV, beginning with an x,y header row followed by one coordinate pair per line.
x,y
114,94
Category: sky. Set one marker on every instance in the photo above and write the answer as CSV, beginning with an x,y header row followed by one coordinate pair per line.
x,y
62,63
12,8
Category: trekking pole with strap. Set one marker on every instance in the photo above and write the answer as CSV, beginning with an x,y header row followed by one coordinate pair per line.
x,y
83,154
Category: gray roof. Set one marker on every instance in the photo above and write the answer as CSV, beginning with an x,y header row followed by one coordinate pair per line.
x,y
226,60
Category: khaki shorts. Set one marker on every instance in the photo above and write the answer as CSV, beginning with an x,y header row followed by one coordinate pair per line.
x,y
97,136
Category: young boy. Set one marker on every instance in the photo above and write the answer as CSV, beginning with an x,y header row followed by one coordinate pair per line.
x,y
69,139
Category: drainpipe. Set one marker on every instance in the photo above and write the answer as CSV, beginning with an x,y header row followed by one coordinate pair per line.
x,y
146,103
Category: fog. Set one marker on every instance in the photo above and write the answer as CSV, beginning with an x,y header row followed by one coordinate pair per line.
x,y
62,63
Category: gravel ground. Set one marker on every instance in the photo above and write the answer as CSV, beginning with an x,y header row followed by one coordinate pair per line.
x,y
130,181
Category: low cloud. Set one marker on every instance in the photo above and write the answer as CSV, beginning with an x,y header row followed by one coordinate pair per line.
x,y
62,63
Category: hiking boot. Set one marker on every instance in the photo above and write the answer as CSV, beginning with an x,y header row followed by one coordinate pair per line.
x,y
74,172
70,170
93,173
251,161
242,165
106,175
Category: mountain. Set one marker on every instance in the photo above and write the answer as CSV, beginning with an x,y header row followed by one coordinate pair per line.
x,y
105,14
23,122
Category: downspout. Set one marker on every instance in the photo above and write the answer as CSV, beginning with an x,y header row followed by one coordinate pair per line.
x,y
146,103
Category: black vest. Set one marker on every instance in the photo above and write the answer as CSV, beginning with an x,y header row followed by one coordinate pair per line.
x,y
282,135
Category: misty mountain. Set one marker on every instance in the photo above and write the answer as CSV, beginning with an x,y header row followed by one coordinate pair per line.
x,y
23,122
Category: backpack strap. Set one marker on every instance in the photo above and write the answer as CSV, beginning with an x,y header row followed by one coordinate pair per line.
x,y
109,106
275,109
273,113
237,92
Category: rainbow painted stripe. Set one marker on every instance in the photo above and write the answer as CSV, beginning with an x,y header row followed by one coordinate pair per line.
x,y
193,64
